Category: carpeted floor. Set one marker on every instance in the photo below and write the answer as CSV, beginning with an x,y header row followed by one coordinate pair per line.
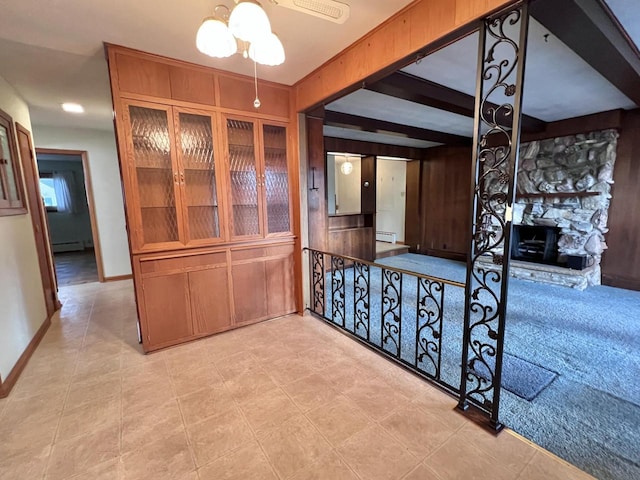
x,y
588,415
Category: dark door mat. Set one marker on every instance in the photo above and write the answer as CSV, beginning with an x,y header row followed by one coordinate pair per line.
x,y
522,378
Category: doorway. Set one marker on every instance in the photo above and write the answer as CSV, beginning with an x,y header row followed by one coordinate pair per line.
x,y
65,185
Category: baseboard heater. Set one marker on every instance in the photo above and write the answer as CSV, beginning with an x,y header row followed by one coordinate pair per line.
x,y
67,247
389,237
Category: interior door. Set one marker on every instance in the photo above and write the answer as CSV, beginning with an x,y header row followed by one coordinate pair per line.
x,y
38,219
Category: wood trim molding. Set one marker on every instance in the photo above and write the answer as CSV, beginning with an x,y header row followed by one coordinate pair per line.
x,y
95,233
393,44
12,378
117,278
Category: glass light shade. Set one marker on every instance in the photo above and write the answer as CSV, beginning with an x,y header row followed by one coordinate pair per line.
x,y
267,50
346,167
215,39
248,21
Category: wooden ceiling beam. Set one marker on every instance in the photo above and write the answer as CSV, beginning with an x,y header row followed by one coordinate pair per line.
x,y
354,122
418,90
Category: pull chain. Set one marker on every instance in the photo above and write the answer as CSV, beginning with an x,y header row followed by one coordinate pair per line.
x,y
256,102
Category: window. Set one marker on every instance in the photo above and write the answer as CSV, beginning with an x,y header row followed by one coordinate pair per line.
x,y
48,192
11,190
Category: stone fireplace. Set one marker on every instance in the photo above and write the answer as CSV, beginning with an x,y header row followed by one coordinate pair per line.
x,y
565,183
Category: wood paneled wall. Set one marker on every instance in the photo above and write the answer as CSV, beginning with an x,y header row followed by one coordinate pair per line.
x,y
317,191
621,262
439,203
386,48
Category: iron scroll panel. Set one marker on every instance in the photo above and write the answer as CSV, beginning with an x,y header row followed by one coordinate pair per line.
x,y
501,59
398,313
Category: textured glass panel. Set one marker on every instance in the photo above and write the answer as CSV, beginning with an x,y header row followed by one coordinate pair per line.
x,y
196,141
152,157
244,187
276,178
8,165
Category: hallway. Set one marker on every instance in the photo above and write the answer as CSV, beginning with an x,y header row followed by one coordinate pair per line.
x,y
289,398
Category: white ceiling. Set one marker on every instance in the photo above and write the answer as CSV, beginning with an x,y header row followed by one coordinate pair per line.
x,y
558,85
51,50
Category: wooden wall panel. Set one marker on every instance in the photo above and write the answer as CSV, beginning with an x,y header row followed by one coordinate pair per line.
x,y
621,262
190,85
412,226
368,182
317,194
145,77
420,24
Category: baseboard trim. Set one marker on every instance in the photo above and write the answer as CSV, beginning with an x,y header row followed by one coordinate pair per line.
x,y
118,277
12,378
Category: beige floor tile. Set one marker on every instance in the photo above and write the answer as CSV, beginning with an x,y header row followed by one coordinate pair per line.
x,y
247,463
159,422
269,410
223,345
376,399
30,409
151,373
148,396
195,378
237,365
421,472
80,454
508,449
26,438
363,453
95,368
250,384
205,403
311,392
216,436
458,458
167,458
89,417
419,431
441,405
544,466
109,470
30,464
294,446
329,466
344,374
93,389
339,420
287,370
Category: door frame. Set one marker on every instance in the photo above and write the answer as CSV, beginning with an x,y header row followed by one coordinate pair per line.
x,y
41,225
90,201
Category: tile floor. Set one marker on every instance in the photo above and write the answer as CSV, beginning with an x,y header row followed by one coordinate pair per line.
x,y
289,398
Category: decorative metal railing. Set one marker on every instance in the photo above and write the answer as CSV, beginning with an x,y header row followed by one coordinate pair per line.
x,y
401,314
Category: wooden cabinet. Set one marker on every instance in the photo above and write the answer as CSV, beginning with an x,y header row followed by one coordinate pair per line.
x,y
208,197
258,178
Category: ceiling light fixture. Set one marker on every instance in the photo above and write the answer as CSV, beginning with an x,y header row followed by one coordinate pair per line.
x,y
72,107
246,29
347,167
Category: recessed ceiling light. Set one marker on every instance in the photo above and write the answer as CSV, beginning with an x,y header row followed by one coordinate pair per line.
x,y
73,107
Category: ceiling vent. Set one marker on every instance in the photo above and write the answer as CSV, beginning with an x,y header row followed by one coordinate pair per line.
x,y
327,9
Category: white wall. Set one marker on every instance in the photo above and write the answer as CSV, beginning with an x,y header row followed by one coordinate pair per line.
x,y
22,307
391,196
347,187
107,190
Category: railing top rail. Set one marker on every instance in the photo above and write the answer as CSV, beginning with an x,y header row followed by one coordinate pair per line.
x,y
386,267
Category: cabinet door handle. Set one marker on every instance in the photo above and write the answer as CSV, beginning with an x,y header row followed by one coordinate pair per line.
x,y
175,178
182,178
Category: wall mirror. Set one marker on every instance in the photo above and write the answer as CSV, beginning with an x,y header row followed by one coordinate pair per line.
x,y
344,172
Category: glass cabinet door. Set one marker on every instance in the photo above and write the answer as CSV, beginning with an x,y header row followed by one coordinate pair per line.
x,y
156,178
10,179
243,177
276,178
198,174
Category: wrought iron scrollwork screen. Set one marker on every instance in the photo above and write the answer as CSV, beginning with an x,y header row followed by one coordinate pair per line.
x,y
401,314
501,59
